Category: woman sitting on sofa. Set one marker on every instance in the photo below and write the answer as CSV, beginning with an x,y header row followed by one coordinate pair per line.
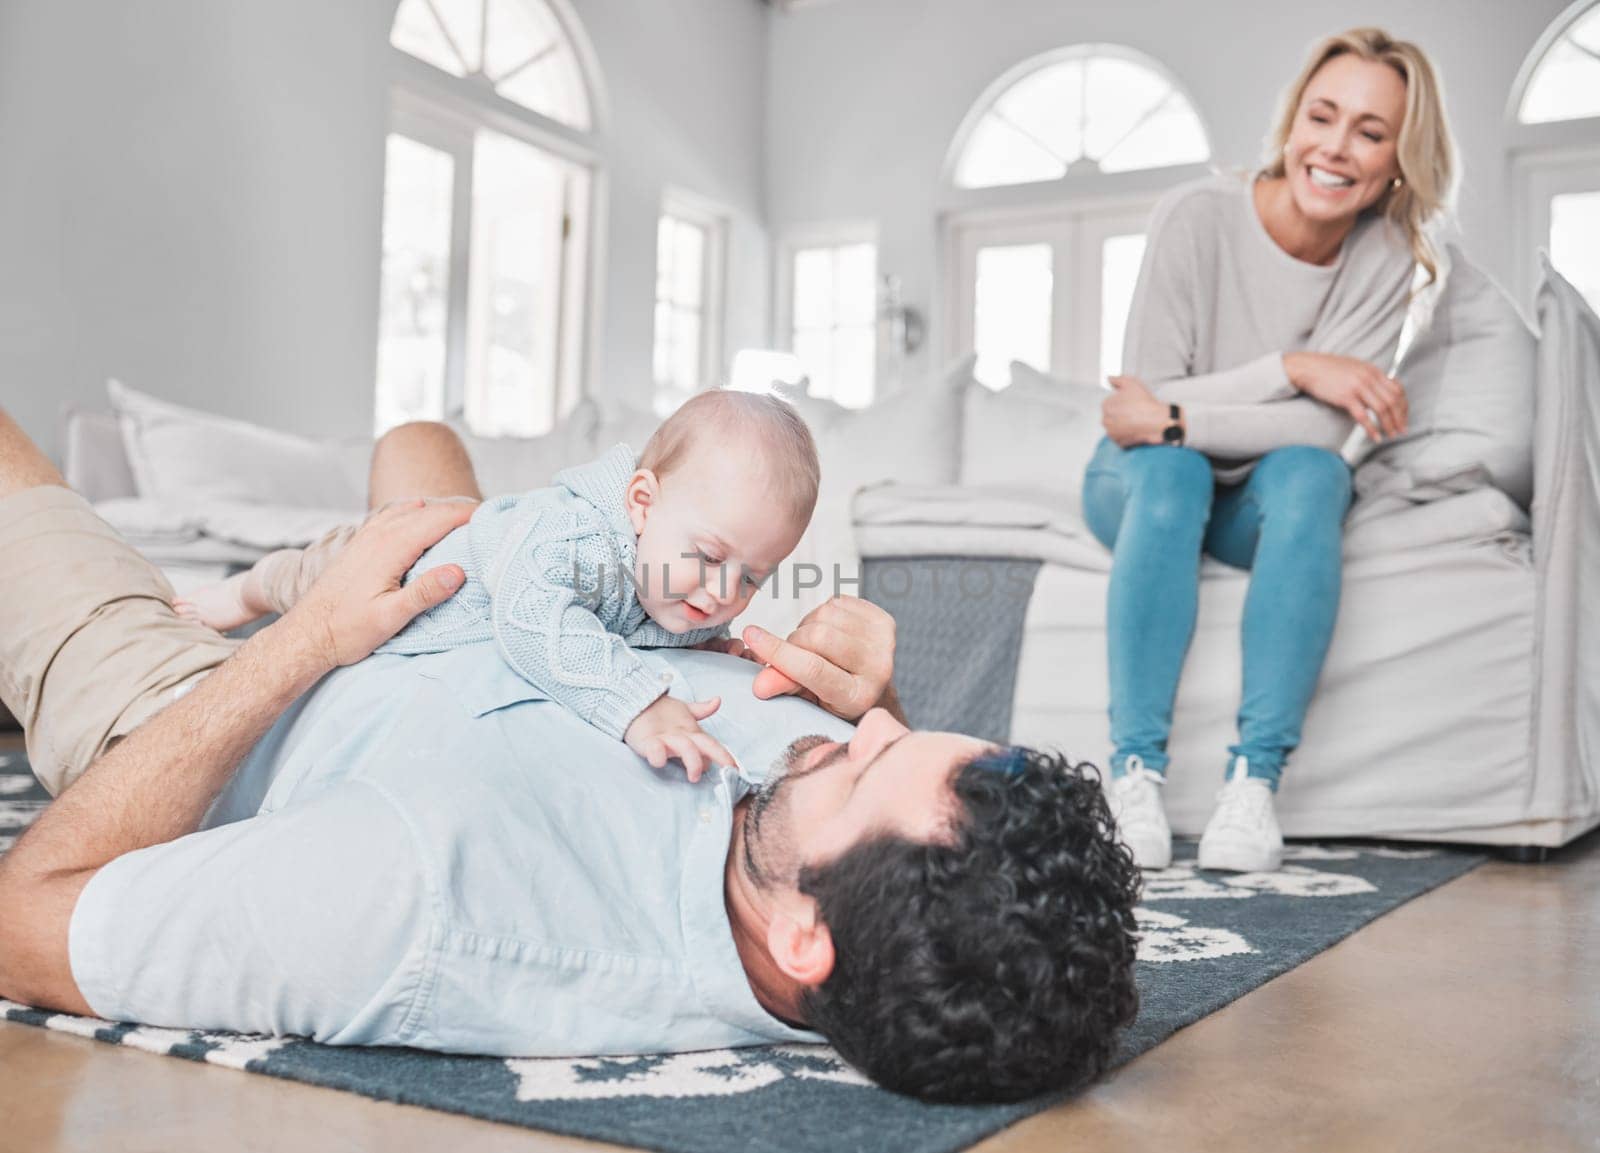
x,y
1266,316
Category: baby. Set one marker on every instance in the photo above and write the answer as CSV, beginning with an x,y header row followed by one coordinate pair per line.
x,y
662,550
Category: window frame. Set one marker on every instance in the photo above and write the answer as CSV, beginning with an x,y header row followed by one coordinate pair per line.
x,y
713,219
824,234
1075,177
1073,229
1548,158
445,112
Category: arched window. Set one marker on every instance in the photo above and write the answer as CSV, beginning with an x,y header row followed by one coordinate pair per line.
x,y
486,220
1091,107
1050,285
1565,82
1556,136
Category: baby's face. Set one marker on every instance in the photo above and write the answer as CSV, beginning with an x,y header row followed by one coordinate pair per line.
x,y
708,536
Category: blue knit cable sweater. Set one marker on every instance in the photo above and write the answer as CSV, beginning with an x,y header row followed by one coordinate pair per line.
x,y
550,581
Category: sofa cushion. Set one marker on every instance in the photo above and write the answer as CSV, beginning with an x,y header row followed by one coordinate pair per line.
x,y
183,454
1469,378
510,464
1036,435
93,458
913,436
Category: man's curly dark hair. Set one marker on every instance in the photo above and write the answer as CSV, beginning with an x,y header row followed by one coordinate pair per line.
x,y
993,967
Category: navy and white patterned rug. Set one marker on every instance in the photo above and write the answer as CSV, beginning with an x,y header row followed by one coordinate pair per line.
x,y
1208,938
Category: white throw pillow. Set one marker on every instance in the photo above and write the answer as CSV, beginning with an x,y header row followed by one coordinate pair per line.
x,y
185,455
510,464
624,424
911,437
1469,379
1036,435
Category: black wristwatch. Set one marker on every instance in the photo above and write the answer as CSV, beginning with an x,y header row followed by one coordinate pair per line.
x,y
1173,433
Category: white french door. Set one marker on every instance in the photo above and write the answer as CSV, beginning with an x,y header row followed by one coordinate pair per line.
x,y
1049,287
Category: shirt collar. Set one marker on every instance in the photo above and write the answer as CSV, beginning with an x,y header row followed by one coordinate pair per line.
x,y
718,973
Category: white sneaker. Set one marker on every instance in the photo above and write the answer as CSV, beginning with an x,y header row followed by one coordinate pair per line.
x,y
1242,835
1141,820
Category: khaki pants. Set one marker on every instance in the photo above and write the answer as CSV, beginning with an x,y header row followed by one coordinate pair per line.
x,y
89,645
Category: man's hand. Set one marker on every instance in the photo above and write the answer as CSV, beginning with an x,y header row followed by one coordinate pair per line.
x,y
670,728
841,657
1132,415
359,602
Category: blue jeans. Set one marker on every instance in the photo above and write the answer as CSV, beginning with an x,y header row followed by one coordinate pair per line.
x,y
1157,507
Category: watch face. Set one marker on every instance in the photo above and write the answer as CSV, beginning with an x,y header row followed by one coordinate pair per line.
x,y
1172,434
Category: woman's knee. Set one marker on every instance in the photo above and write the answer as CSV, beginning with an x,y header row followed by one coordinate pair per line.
x,y
1169,486
1304,483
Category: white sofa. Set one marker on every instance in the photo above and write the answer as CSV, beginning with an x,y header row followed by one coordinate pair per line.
x,y
1461,698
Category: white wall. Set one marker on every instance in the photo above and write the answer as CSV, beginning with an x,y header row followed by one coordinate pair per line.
x,y
866,96
687,86
191,193
188,200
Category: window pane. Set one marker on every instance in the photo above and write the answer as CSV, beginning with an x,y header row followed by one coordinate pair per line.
x,y
1586,32
1011,319
515,37
1119,272
1049,106
813,287
1565,87
688,264
513,306
1575,241
854,365
662,359
415,288
552,87
1117,111
998,154
1121,93
416,32
1172,135
814,350
686,368
666,230
463,20
856,284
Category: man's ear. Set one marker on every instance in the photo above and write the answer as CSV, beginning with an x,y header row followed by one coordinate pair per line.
x,y
801,948
642,492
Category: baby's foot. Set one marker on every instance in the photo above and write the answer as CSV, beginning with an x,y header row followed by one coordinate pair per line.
x,y
223,606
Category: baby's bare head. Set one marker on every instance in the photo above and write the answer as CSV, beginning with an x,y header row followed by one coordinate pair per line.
x,y
762,434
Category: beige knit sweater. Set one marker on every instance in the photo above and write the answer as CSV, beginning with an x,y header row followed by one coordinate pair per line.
x,y
1218,303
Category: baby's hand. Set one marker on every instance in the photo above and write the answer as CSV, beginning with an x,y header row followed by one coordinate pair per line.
x,y
670,728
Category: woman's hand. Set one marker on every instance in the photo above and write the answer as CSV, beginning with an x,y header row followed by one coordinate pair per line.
x,y
841,656
1132,415
1352,386
359,603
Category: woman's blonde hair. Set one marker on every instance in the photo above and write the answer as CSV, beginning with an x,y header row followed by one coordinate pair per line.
x,y
1425,150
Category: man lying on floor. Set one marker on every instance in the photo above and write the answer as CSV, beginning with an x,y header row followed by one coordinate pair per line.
x,y
417,850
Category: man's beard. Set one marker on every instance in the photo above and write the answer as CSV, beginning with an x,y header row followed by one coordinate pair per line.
x,y
770,858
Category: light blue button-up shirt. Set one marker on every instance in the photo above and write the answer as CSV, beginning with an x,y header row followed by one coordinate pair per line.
x,y
424,852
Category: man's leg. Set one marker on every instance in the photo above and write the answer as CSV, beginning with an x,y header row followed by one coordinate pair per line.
x,y
22,465
89,644
422,459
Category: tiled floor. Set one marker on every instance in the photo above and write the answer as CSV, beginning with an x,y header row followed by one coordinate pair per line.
x,y
1468,1020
